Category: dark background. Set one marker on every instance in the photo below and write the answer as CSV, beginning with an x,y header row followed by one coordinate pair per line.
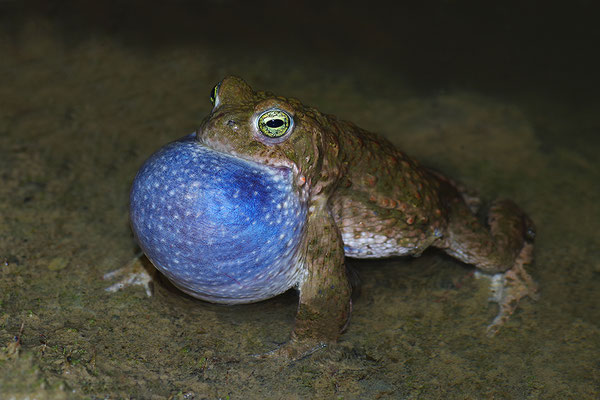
x,y
491,46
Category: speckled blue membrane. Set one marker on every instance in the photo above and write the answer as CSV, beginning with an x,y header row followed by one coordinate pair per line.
x,y
220,228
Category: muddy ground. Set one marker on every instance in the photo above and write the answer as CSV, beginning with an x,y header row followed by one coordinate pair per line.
x,y
88,93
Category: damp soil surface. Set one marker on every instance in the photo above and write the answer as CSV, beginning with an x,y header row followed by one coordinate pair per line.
x,y
498,99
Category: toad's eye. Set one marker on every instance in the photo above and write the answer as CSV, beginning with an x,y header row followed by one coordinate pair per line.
x,y
274,123
214,94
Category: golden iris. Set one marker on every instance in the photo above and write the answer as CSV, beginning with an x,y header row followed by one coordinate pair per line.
x,y
274,123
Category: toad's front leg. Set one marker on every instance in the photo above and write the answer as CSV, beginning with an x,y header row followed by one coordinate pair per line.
x,y
324,288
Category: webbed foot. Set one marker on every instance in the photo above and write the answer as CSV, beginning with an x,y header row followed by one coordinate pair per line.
x,y
132,274
295,350
509,287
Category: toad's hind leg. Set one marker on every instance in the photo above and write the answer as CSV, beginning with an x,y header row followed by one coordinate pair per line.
x,y
500,251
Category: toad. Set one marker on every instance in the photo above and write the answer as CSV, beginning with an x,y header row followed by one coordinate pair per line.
x,y
269,194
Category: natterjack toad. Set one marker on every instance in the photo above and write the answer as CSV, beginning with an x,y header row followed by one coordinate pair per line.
x,y
270,194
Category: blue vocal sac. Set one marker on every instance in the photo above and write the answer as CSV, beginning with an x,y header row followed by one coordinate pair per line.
x,y
222,229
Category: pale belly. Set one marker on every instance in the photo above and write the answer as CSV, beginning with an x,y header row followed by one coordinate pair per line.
x,y
372,245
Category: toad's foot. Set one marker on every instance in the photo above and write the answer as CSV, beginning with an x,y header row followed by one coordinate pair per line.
x,y
295,350
509,287
134,273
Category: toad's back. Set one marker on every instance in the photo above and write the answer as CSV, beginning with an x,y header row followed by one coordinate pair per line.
x,y
386,204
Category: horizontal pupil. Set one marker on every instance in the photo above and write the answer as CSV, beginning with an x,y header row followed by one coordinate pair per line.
x,y
274,123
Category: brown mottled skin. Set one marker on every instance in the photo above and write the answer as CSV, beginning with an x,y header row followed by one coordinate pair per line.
x,y
358,185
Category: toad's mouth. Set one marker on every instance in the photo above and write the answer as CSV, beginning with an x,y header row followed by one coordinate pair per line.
x,y
283,166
